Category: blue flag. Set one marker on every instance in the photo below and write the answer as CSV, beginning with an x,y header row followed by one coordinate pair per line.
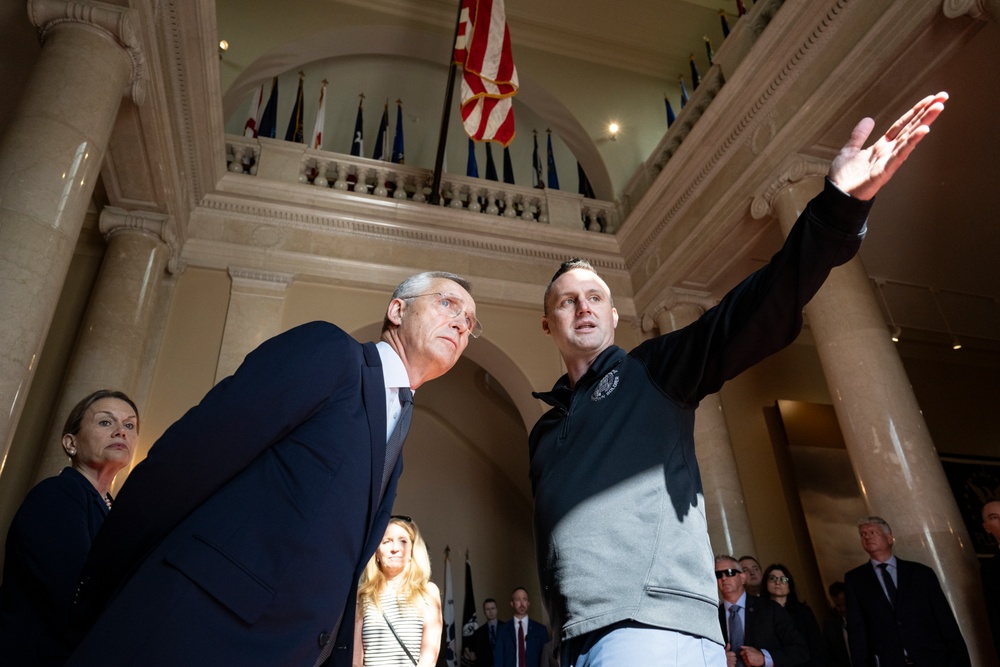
x,y
383,135
397,140
358,142
551,171
684,93
695,77
471,168
269,121
725,23
671,116
491,168
536,165
508,166
294,131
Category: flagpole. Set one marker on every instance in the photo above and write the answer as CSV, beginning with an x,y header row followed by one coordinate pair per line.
x,y
443,136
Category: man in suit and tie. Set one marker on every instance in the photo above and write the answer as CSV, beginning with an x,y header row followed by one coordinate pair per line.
x,y
241,538
520,641
990,570
483,641
757,631
897,614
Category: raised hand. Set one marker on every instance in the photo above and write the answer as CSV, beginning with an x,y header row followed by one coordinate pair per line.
x,y
861,172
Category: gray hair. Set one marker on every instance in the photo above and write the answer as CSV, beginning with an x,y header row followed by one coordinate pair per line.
x,y
420,283
875,521
721,557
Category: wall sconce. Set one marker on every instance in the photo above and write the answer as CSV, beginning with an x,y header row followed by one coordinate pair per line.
x,y
956,344
223,47
613,131
895,332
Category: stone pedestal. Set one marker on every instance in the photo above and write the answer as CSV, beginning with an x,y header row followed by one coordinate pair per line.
x,y
49,161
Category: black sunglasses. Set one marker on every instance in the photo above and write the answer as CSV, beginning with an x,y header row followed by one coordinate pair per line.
x,y
719,574
401,518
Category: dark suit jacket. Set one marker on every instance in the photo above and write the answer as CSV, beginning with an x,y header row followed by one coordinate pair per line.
x,y
480,644
922,622
834,648
47,544
240,539
990,570
505,654
768,627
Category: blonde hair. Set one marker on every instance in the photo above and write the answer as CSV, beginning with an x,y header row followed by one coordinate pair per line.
x,y
417,572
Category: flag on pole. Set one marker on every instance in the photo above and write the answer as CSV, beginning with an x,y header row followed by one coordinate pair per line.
x,y
317,135
741,9
709,52
469,624
269,121
381,150
358,142
471,167
553,177
398,154
295,131
491,167
450,653
508,167
489,78
585,188
684,92
250,127
536,165
671,116
695,77
725,23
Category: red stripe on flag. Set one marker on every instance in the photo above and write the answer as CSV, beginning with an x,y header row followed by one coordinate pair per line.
x,y
489,75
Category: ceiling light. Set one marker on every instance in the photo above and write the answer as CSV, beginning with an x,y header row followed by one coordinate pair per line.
x,y
223,45
956,344
894,330
896,334
613,131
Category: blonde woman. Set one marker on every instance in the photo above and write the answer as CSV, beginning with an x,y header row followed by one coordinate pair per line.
x,y
398,622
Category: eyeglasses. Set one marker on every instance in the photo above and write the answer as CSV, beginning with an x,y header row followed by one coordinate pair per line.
x,y
777,580
719,574
400,517
453,308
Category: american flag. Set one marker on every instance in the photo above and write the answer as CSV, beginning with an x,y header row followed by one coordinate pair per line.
x,y
489,78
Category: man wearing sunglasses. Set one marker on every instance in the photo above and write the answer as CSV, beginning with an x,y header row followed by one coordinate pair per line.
x,y
241,538
758,631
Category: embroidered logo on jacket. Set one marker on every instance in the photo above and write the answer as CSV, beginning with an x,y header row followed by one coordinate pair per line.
x,y
605,386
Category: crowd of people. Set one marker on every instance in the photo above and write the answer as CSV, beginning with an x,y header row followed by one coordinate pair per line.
x,y
259,529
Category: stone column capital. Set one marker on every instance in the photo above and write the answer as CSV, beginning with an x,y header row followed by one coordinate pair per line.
x,y
119,23
794,169
159,226
259,279
985,10
676,309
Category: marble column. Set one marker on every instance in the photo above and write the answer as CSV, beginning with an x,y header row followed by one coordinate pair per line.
x,y
109,352
894,460
725,506
256,301
49,161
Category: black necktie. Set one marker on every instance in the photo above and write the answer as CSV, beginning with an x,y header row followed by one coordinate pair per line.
x,y
395,443
890,587
493,635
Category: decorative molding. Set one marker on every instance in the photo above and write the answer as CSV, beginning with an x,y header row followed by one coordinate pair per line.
x,y
671,298
274,281
794,169
984,10
161,227
811,43
118,23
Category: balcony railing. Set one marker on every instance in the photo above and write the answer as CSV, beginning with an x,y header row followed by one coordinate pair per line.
x,y
289,162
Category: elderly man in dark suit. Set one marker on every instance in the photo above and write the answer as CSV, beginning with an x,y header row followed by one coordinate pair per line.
x,y
757,631
240,539
897,614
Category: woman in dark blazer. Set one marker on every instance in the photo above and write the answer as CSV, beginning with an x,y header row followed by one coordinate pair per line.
x,y
779,586
51,533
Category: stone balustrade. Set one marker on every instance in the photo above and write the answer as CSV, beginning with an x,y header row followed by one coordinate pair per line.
x,y
288,162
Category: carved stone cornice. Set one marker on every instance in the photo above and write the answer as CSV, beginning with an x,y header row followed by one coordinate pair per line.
x,y
984,10
119,23
274,281
794,169
158,226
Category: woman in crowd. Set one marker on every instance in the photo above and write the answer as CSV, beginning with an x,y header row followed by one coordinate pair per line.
x,y
398,620
50,536
780,587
